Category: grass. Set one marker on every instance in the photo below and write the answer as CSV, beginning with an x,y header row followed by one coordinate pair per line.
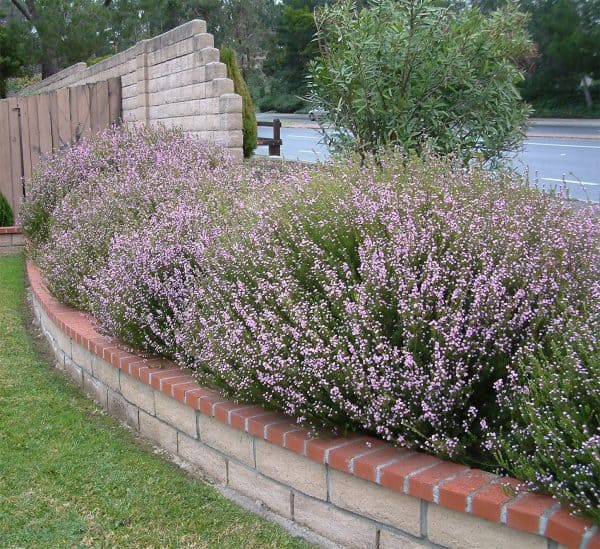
x,y
70,476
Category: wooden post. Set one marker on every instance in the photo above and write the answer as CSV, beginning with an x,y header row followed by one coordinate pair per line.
x,y
275,146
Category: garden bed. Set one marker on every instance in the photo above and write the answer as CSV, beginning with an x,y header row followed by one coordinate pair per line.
x,y
440,308
357,491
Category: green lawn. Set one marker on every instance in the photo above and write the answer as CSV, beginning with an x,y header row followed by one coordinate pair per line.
x,y
70,476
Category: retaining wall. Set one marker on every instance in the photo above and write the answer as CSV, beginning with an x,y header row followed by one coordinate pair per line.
x,y
11,240
175,79
358,492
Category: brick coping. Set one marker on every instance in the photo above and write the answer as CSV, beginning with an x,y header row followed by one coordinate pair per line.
x,y
447,484
11,230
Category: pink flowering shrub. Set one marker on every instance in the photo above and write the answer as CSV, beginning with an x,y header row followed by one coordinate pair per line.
x,y
158,263
449,310
553,438
396,302
137,171
154,265
107,153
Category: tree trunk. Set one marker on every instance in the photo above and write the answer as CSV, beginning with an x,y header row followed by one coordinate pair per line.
x,y
49,67
586,93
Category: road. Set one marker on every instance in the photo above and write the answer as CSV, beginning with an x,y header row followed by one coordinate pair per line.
x,y
554,152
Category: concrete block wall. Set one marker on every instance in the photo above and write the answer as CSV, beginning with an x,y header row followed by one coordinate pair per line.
x,y
11,240
357,492
175,79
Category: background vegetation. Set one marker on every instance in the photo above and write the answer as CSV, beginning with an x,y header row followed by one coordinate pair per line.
x,y
7,218
249,129
274,41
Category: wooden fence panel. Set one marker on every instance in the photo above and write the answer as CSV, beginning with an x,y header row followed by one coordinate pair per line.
x,y
14,130
44,123
23,105
84,111
34,132
52,98
36,125
100,107
6,186
65,136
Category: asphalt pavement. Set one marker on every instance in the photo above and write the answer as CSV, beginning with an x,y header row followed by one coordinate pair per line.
x,y
556,153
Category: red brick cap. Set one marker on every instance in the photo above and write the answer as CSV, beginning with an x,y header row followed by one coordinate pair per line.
x,y
489,502
423,485
11,230
526,512
454,494
568,530
420,475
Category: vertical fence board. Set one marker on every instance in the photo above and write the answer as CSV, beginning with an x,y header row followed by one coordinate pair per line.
x,y
53,119
115,104
34,132
74,115
16,166
65,135
23,105
92,90
100,106
6,185
84,110
44,123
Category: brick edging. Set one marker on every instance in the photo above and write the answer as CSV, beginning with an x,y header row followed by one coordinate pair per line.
x,y
11,230
445,484
11,240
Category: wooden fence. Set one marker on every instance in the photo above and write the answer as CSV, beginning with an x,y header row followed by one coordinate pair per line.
x,y
40,124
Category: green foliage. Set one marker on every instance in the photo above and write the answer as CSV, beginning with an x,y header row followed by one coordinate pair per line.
x,y
16,84
567,36
566,106
293,46
273,94
408,73
248,111
13,55
7,218
554,441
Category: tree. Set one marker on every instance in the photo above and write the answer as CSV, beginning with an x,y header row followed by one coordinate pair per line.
x,y
409,73
13,56
290,50
567,33
294,44
567,38
65,31
248,112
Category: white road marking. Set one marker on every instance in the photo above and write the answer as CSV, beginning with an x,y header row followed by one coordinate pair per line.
x,y
302,137
561,145
585,183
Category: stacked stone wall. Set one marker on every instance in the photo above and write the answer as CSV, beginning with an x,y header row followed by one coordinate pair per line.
x,y
175,79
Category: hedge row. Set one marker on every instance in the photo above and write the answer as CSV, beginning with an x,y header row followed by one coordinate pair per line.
x,y
450,310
